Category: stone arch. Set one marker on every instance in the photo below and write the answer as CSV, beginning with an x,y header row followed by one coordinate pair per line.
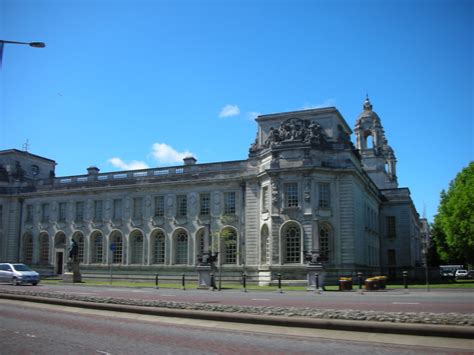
x,y
44,245
81,241
27,249
291,243
158,246
180,246
116,247
97,245
136,242
229,245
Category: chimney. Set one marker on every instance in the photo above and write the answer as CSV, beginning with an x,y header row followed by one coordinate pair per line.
x,y
189,160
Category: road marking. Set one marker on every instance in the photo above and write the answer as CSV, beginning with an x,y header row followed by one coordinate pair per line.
x,y
103,352
139,291
260,299
167,295
405,303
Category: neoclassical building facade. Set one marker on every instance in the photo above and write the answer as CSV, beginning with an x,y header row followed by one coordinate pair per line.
x,y
304,186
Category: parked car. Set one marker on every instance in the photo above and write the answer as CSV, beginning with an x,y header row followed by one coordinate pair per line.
x,y
18,274
461,274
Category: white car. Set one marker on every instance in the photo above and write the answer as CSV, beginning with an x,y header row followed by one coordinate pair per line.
x,y
18,274
461,274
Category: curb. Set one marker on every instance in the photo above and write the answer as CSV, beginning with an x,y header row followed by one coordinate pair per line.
x,y
451,331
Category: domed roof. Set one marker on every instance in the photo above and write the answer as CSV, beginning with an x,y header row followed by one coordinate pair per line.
x,y
368,115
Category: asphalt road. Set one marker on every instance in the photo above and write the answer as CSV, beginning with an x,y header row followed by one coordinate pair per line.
x,y
436,301
44,329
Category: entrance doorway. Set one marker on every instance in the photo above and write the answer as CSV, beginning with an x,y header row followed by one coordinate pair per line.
x,y
59,262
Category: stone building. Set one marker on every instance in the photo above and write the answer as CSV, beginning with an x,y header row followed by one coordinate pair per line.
x,y
304,187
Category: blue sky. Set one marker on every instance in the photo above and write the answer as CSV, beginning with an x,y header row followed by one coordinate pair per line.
x,y
125,84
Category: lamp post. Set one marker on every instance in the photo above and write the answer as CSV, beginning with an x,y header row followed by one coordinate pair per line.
x,y
31,44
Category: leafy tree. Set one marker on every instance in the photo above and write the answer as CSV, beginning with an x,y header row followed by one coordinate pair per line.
x,y
453,229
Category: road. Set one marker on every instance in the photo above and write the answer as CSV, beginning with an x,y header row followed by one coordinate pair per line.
x,y
27,328
436,301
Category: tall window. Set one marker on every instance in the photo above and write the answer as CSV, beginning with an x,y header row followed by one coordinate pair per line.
x,y
79,211
324,234
137,248
158,253
229,202
229,241
45,212
1,215
137,207
44,249
181,248
265,198
81,244
291,194
264,245
98,210
117,213
29,213
292,235
391,256
97,253
205,204
159,206
391,227
117,249
182,201
28,248
62,211
324,195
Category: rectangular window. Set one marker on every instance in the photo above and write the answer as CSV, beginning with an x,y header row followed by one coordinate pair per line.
x,y
324,195
291,193
229,202
205,204
137,207
45,212
1,215
182,205
392,259
391,227
79,211
98,210
265,199
159,206
62,211
117,214
29,213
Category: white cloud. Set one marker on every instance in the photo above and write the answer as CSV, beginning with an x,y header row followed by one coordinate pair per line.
x,y
133,165
326,103
166,154
229,110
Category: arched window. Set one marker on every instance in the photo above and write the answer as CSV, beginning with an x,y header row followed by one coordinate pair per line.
x,y
60,240
292,244
80,240
97,248
116,245
136,248
324,240
181,247
44,248
158,248
264,245
28,248
229,246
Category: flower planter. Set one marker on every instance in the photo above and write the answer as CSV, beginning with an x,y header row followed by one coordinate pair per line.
x,y
382,280
371,285
345,285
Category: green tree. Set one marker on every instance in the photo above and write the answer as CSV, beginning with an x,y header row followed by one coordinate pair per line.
x,y
453,229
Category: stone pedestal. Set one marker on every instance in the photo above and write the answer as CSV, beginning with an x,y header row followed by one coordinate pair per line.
x,y
204,277
73,274
264,276
311,271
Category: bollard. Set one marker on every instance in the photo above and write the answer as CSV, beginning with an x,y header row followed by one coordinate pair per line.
x,y
405,281
183,285
156,281
279,283
213,282
316,282
244,281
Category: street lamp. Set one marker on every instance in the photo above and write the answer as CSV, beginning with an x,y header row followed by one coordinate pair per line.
x,y
31,44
